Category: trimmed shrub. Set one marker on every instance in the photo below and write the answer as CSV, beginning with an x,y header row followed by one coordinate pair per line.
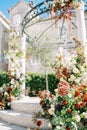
x,y
4,78
34,81
37,82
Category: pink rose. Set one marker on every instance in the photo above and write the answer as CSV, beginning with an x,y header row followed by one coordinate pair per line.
x,y
63,88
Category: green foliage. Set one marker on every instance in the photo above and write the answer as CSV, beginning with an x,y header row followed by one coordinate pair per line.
x,y
37,82
4,78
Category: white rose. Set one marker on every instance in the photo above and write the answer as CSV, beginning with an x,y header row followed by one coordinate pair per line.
x,y
56,90
85,114
77,81
72,78
77,117
75,70
62,4
73,62
70,95
49,125
51,110
58,128
12,81
82,68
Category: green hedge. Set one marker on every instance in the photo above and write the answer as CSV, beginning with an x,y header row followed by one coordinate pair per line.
x,y
4,78
37,82
34,81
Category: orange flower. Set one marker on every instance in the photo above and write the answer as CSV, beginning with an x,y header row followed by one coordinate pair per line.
x,y
85,97
43,94
58,75
66,72
63,88
77,92
81,88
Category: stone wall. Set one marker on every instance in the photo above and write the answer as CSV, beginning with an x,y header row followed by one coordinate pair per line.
x,y
4,27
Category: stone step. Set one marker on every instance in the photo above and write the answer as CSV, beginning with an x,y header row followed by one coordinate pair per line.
x,y
27,105
20,118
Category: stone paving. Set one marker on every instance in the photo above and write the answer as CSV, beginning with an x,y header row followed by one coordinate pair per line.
x,y
6,126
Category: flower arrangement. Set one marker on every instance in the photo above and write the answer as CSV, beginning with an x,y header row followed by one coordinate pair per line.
x,y
64,8
67,108
9,91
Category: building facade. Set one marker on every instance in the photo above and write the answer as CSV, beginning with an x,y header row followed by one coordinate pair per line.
x,y
47,31
4,28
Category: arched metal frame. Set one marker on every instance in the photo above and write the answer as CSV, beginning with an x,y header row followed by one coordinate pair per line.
x,y
38,10
35,11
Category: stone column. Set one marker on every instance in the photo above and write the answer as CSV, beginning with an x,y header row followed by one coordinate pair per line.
x,y
68,31
81,23
82,28
22,60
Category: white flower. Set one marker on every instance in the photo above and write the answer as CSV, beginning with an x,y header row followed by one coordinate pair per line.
x,y
12,81
6,94
56,90
82,68
62,4
77,117
49,125
51,110
72,78
85,114
75,70
77,81
58,127
70,95
73,62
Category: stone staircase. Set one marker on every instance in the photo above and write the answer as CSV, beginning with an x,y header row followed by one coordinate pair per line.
x,y
22,112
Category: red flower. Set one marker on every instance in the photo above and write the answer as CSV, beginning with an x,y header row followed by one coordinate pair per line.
x,y
82,104
69,111
50,95
39,123
9,90
41,102
77,105
64,102
68,128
